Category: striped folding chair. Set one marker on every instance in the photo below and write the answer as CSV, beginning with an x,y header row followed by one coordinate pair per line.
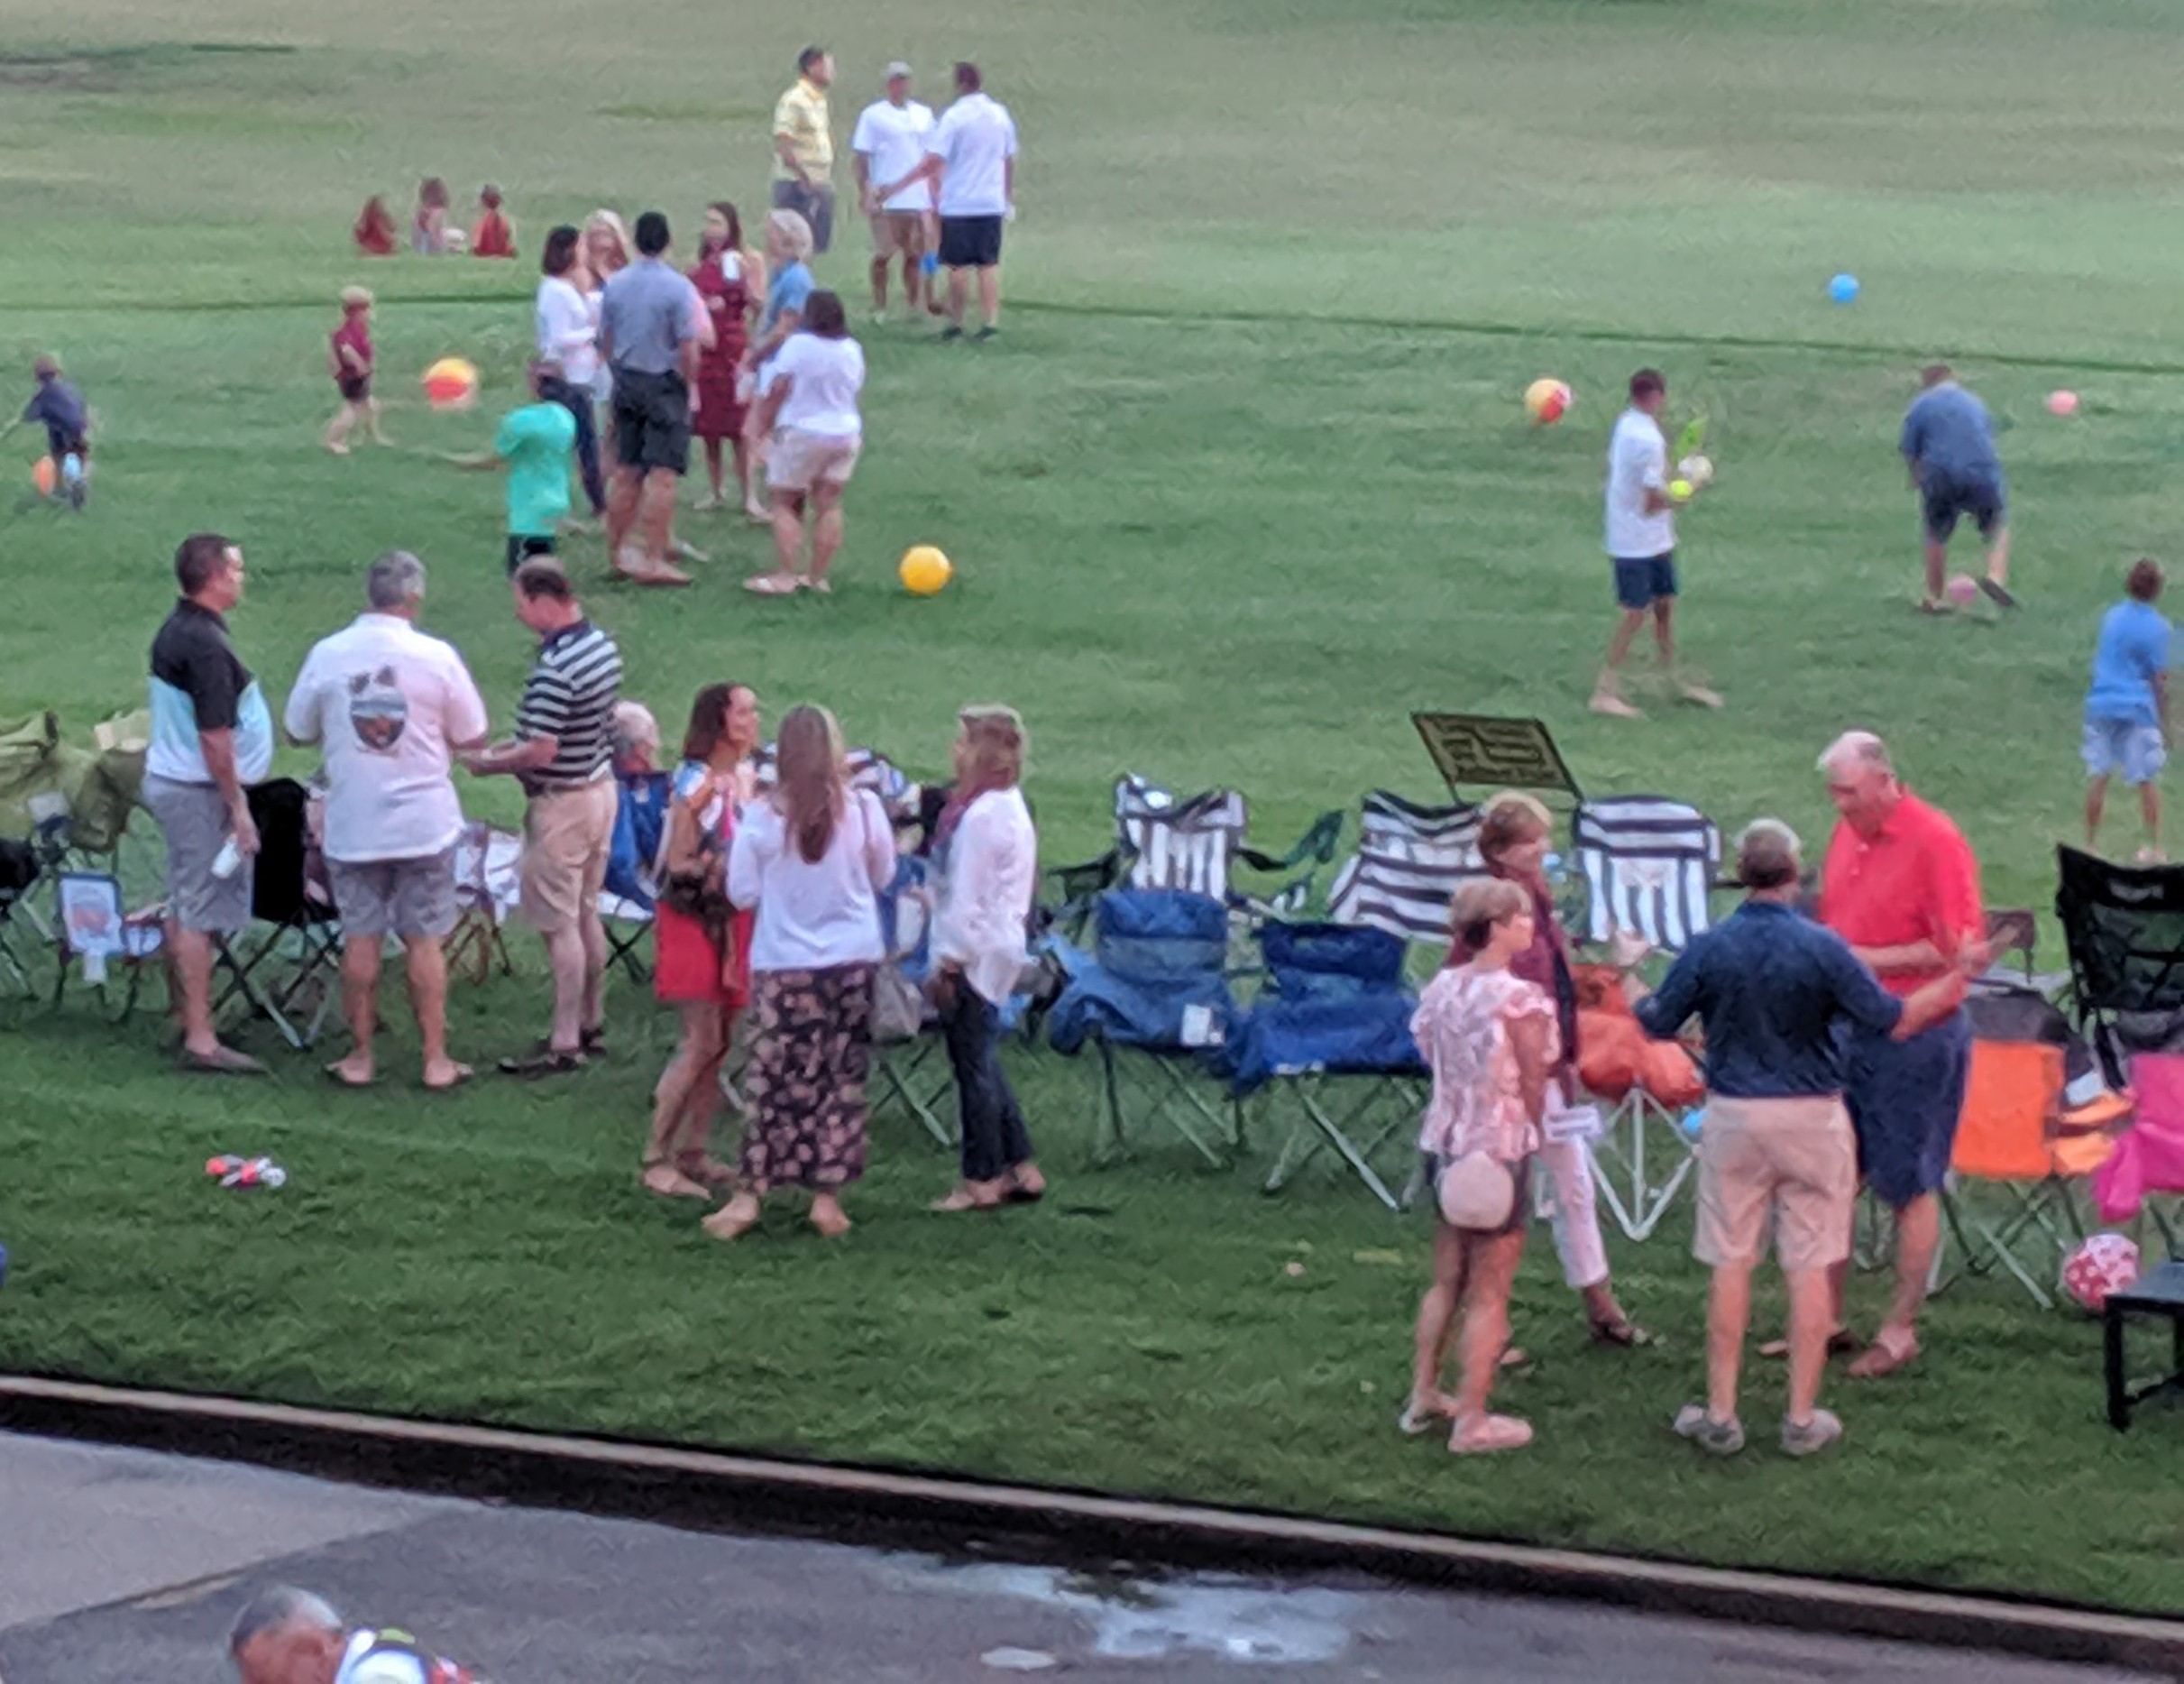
x,y
868,769
1410,859
1179,843
1649,865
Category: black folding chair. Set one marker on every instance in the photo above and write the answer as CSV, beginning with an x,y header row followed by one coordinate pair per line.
x,y
284,967
2123,929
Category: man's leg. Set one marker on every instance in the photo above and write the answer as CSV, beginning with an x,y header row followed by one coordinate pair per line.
x,y
958,290
1608,693
1918,1235
882,254
428,966
989,296
2150,808
2096,799
1729,1311
192,952
1937,568
623,490
656,513
591,944
1998,555
1811,1325
565,958
360,957
914,248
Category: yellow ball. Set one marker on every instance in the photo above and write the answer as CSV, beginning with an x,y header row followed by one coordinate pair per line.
x,y
1546,401
1679,490
924,570
451,383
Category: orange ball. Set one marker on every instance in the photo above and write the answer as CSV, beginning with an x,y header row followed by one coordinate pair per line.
x,y
44,475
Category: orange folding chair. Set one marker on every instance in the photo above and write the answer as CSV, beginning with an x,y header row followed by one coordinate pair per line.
x,y
2017,1180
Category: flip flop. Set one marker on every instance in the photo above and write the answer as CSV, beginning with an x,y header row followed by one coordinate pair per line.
x,y
464,1072
962,1199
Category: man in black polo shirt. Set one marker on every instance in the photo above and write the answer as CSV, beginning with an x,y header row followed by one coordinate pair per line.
x,y
563,752
212,737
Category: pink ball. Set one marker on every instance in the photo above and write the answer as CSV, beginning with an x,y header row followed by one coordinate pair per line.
x,y
2062,403
1963,589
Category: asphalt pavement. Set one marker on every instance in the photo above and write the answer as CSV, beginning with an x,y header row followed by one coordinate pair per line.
x,y
121,1566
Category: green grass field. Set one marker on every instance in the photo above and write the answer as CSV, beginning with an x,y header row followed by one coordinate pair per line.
x,y
1244,483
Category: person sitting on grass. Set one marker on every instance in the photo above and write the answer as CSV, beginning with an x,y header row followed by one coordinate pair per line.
x,y
2127,708
374,229
1490,1040
494,236
428,235
289,1636
67,419
1778,1158
533,443
349,361
808,409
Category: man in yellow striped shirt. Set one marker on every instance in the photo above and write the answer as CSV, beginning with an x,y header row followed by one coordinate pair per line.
x,y
804,147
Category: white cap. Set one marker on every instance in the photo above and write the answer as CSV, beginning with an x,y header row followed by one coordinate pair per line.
x,y
897,69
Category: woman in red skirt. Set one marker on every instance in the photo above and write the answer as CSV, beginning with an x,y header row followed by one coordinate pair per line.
x,y
701,958
731,281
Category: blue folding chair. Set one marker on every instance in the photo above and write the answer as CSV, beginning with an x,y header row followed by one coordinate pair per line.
x,y
626,899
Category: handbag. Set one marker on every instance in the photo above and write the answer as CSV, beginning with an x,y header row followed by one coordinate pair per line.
x,y
1477,1191
898,1005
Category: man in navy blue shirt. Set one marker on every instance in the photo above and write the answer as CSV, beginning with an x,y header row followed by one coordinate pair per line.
x,y
1773,989
1949,445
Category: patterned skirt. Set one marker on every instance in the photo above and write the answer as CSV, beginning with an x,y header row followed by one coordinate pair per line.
x,y
805,1086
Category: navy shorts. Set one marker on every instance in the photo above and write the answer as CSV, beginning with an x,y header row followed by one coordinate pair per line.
x,y
1947,500
1642,582
651,421
1904,1098
970,242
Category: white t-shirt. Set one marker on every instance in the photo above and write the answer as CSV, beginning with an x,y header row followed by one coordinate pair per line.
x,y
384,702
1637,462
358,1667
568,330
892,138
973,141
828,373
813,916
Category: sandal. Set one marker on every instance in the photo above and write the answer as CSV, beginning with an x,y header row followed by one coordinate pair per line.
x,y
1885,1356
964,1199
1418,1419
663,1180
1620,1331
1482,1435
543,1061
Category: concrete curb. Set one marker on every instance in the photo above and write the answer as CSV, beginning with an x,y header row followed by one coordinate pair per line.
x,y
705,1489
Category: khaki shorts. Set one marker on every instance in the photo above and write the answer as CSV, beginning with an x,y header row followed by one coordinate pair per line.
x,y
411,898
800,460
1792,1160
567,834
904,232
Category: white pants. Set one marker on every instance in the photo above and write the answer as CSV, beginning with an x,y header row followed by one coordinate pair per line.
x,y
1584,1257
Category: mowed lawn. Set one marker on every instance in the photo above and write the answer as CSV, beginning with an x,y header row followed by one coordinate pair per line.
x,y
1245,482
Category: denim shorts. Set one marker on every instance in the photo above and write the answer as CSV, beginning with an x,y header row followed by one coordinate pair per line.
x,y
1646,580
1904,1098
1948,500
2123,746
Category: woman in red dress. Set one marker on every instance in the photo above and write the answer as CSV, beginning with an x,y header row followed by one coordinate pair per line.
x,y
702,946
731,281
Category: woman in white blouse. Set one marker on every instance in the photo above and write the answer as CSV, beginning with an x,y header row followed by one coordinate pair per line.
x,y
988,859
808,403
812,858
568,334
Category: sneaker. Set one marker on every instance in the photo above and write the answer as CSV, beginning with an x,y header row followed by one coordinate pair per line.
x,y
1718,1438
1607,702
984,334
1814,1436
952,332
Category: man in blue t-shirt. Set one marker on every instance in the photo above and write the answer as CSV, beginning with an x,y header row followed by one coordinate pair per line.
x,y
2127,707
1949,445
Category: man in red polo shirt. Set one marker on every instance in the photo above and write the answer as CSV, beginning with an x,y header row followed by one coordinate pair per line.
x,y
1900,886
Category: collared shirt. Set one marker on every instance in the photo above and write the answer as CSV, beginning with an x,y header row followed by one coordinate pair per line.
x,y
646,313
892,140
199,683
1771,986
569,697
991,870
1949,437
386,703
801,117
1638,462
974,140
1915,880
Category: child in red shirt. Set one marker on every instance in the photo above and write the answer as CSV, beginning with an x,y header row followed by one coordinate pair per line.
x,y
495,235
349,361
374,230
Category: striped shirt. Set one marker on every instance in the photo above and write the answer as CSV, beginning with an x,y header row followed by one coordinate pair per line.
x,y
569,697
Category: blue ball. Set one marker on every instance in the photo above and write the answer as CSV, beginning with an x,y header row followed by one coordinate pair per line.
x,y
1843,289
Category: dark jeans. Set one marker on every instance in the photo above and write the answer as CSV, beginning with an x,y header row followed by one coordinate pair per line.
x,y
578,403
994,1137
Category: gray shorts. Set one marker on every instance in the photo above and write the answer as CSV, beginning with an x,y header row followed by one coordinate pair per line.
x,y
2118,745
194,819
405,898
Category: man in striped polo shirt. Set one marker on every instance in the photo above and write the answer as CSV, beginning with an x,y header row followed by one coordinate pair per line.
x,y
563,754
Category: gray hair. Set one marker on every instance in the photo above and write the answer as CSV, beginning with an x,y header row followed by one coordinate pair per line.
x,y
794,231
635,728
396,580
275,1610
1768,854
1859,749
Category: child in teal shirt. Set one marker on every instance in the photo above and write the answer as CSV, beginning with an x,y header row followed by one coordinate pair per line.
x,y
534,444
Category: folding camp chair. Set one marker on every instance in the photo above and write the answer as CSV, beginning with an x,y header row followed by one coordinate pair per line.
x,y
113,950
22,933
284,967
2123,928
626,898
1330,1037
911,1075
1194,845
1409,861
1153,996
488,865
2033,1177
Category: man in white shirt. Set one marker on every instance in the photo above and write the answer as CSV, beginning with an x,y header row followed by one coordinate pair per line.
x,y
972,152
289,1636
389,706
889,143
1642,545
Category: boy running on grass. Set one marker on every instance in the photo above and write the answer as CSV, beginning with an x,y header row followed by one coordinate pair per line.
x,y
2127,707
68,429
349,360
